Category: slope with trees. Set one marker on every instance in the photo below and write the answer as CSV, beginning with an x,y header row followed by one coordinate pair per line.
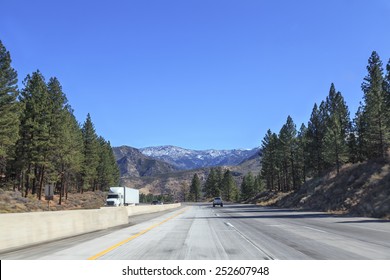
x,y
9,109
41,142
331,139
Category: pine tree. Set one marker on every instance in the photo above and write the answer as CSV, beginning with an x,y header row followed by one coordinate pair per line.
x,y
33,147
235,194
195,192
258,187
107,169
58,103
91,156
208,187
248,186
375,110
360,131
218,183
213,182
71,156
269,166
9,109
229,187
302,155
315,134
335,146
387,90
353,151
335,151
287,148
115,172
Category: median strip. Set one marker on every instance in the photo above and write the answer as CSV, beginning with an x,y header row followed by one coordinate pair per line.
x,y
135,236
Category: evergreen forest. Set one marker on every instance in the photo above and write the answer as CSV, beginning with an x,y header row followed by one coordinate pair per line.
x,y
42,143
331,137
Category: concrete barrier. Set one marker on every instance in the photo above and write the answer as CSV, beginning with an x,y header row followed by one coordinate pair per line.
x,y
23,229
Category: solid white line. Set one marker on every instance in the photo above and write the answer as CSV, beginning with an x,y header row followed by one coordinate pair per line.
x,y
250,242
254,245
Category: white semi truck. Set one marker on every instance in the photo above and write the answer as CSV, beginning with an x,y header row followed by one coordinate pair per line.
x,y
122,196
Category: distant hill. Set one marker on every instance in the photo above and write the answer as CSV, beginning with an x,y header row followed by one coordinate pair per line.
x,y
133,163
186,159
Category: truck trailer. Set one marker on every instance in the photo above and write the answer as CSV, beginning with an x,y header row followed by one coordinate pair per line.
x,y
122,196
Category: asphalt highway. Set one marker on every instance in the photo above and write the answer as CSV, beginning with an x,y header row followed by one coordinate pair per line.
x,y
235,231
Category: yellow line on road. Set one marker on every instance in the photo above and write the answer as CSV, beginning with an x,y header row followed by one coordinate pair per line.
x,y
102,253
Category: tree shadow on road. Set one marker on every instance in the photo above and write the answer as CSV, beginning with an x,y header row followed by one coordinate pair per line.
x,y
268,216
364,222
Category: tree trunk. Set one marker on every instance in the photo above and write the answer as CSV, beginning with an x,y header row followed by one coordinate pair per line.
x,y
27,185
61,184
34,182
42,173
66,191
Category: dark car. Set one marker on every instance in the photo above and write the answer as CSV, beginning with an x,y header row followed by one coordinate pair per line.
x,y
217,201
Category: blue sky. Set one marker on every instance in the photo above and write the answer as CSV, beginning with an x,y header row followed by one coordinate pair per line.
x,y
199,74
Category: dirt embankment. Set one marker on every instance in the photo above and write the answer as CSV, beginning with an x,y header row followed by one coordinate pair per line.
x,y
361,189
14,202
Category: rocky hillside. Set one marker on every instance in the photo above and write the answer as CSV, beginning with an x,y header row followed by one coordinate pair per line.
x,y
186,159
133,163
174,182
361,189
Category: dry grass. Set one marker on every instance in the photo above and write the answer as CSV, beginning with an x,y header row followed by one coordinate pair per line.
x,y
14,202
270,198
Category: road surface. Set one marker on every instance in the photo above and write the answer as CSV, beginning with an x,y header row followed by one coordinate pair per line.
x,y
236,231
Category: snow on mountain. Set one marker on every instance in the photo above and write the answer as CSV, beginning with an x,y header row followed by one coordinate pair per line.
x,y
190,159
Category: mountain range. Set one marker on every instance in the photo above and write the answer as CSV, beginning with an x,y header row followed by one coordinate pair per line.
x,y
186,159
166,169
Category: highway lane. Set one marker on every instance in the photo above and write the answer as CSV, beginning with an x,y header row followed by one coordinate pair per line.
x,y
189,233
289,234
234,232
